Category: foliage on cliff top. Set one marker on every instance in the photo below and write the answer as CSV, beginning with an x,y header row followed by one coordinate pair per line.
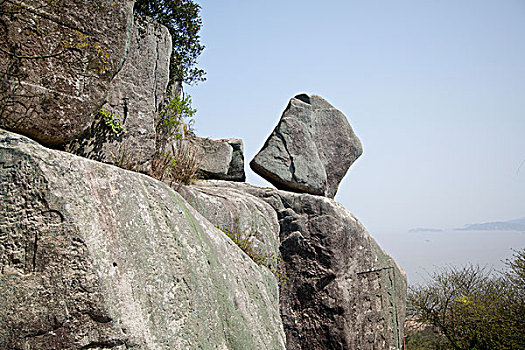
x,y
183,21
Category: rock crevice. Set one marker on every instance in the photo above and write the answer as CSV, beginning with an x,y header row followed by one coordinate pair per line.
x,y
340,289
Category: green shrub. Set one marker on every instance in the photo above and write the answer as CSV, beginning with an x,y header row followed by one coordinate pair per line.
x,y
471,308
112,121
174,114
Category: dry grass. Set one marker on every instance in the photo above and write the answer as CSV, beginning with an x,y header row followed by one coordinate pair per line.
x,y
246,246
179,165
123,159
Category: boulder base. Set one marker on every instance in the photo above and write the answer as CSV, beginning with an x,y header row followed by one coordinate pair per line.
x,y
339,289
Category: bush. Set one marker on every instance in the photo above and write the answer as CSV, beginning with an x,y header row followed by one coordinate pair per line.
x,y
174,115
421,336
472,308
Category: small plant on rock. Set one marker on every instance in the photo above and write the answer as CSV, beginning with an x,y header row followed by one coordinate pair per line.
x,y
247,246
124,159
112,121
184,165
268,260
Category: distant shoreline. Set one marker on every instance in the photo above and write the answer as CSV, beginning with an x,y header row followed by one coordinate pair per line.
x,y
517,225
494,226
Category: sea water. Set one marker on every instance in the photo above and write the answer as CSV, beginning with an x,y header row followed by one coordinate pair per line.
x,y
423,253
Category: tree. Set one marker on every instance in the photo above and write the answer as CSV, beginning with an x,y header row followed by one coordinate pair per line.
x,y
182,19
471,308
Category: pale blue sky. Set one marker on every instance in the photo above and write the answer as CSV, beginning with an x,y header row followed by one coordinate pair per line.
x,y
435,90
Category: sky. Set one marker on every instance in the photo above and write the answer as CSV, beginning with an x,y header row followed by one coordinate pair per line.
x,y
435,90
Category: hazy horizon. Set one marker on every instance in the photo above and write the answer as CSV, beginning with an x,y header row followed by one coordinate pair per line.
x,y
436,251
434,90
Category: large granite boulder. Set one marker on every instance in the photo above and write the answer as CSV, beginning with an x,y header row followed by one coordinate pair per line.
x,y
56,63
339,289
134,99
97,257
310,149
219,159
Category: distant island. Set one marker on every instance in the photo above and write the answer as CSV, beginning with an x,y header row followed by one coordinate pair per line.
x,y
425,229
511,225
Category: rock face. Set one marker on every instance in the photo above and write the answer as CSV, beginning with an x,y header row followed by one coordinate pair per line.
x,y
96,257
57,62
310,149
341,290
219,159
134,98
238,211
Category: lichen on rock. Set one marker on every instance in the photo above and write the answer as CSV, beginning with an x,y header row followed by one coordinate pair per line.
x,y
135,97
56,63
93,256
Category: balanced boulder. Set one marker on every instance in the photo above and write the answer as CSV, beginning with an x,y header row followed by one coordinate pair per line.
x,y
310,149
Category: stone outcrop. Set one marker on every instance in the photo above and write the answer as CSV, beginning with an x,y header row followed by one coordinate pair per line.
x,y
340,290
310,149
56,63
97,257
219,159
134,99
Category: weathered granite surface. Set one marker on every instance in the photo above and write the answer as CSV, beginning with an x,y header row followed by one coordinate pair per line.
x,y
239,212
56,63
219,159
342,291
96,257
310,149
134,98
